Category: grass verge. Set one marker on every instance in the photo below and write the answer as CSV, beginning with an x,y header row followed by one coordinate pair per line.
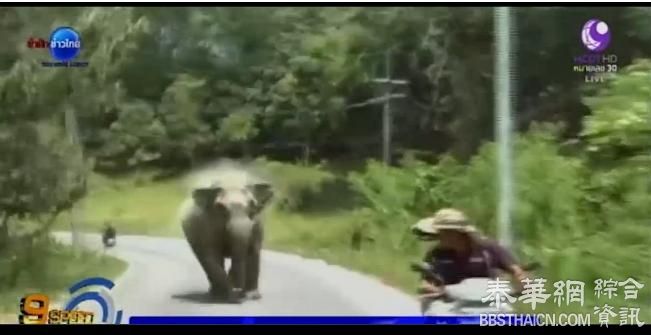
x,y
52,274
327,237
133,204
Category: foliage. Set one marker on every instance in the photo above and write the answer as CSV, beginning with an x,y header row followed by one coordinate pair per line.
x,y
620,124
133,139
42,172
545,194
389,191
51,268
296,184
228,81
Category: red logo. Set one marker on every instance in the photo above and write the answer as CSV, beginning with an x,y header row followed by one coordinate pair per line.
x,y
37,43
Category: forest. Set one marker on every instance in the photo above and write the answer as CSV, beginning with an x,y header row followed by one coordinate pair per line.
x,y
169,89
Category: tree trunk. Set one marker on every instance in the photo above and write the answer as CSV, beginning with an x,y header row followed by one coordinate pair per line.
x,y
356,240
307,149
4,232
75,218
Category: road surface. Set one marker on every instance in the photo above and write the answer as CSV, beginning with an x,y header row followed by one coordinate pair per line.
x,y
163,278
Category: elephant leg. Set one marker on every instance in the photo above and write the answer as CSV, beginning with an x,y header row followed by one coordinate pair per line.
x,y
233,277
212,262
219,284
252,274
237,272
253,264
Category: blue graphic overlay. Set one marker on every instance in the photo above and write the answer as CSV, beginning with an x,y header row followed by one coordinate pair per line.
x,y
65,44
89,296
102,296
93,281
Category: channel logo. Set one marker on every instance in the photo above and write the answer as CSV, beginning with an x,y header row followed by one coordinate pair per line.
x,y
595,35
35,308
596,65
64,45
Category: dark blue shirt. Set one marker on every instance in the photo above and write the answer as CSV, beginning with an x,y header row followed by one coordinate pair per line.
x,y
486,256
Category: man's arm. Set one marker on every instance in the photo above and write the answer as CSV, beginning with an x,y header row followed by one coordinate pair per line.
x,y
518,272
507,262
428,288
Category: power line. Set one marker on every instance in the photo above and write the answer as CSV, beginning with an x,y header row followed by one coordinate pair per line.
x,y
385,99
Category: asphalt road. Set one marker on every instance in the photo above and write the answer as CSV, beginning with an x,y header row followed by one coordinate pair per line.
x,y
163,278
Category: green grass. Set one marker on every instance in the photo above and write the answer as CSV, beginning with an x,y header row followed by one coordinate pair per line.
x,y
133,204
53,273
327,237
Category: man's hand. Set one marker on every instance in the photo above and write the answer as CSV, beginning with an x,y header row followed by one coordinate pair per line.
x,y
429,290
519,275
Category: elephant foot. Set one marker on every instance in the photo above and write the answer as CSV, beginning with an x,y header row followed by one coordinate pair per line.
x,y
229,297
236,296
253,295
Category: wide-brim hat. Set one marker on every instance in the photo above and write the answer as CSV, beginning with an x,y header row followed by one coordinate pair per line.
x,y
445,219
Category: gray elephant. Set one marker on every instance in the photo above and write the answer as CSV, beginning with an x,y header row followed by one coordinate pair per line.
x,y
224,222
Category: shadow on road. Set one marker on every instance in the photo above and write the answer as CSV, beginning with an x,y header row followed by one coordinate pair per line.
x,y
199,298
196,297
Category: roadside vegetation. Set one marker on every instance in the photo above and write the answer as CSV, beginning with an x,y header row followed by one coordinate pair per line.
x,y
48,268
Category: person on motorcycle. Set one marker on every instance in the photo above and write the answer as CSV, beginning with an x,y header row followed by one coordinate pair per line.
x,y
108,236
462,252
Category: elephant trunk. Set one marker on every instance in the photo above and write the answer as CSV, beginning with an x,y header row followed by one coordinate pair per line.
x,y
240,231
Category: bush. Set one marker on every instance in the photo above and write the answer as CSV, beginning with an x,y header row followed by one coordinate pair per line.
x,y
546,188
620,124
298,185
45,266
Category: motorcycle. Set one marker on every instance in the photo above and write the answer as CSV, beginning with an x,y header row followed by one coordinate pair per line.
x,y
109,237
464,298
109,242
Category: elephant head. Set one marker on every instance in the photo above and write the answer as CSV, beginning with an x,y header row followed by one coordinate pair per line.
x,y
241,205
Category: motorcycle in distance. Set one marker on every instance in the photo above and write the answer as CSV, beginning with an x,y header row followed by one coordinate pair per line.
x,y
464,298
109,236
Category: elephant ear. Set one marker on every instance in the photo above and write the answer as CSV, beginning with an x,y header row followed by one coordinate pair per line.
x,y
205,197
262,193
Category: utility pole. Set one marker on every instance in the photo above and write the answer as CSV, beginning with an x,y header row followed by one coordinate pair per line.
x,y
387,118
76,212
503,111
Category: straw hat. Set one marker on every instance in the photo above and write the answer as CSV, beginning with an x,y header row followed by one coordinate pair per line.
x,y
444,219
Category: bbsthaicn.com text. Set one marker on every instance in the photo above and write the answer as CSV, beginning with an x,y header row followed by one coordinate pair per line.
x,y
535,319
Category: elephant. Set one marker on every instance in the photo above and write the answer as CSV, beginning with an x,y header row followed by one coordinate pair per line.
x,y
224,222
